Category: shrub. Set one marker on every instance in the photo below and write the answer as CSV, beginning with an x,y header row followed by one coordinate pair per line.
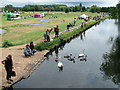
x,y
7,43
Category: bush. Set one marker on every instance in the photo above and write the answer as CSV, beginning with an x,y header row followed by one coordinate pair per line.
x,y
6,43
66,10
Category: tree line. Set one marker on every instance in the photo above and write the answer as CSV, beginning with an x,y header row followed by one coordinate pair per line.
x,y
64,8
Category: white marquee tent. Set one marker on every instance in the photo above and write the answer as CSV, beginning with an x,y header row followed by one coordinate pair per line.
x,y
83,16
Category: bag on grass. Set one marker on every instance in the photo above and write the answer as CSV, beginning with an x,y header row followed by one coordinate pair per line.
x,y
13,73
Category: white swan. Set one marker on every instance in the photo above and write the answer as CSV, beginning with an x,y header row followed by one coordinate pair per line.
x,y
60,64
82,56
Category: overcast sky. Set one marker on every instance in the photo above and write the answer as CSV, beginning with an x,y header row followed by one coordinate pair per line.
x,y
18,2
59,0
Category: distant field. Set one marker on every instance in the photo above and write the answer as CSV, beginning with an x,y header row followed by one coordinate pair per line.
x,y
20,32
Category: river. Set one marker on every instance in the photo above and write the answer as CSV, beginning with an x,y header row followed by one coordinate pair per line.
x,y
79,74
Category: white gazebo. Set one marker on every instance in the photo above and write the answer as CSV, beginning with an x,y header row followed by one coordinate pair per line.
x,y
84,16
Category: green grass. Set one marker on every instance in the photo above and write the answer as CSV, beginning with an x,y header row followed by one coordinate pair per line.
x,y
20,32
44,46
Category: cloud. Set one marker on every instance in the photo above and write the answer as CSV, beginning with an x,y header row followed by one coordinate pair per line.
x,y
60,1
19,3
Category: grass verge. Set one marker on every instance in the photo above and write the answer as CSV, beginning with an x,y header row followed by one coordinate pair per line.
x,y
55,42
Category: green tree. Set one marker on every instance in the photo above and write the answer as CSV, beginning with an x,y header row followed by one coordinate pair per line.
x,y
118,11
36,7
113,12
26,8
66,10
94,9
9,8
83,9
80,7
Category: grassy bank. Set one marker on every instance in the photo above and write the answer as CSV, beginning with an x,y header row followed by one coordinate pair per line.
x,y
20,32
65,36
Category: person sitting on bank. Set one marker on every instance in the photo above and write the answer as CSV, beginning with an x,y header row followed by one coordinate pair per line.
x,y
27,51
8,67
32,48
48,34
56,30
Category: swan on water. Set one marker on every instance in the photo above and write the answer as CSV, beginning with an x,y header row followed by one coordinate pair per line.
x,y
60,66
82,56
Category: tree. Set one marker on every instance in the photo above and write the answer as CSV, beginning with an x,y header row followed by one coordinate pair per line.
x,y
66,10
111,64
36,7
118,10
9,8
94,9
26,8
83,9
113,12
80,7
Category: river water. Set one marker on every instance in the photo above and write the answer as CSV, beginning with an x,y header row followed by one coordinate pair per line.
x,y
79,74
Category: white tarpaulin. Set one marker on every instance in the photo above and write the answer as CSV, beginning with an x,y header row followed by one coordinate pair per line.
x,y
83,16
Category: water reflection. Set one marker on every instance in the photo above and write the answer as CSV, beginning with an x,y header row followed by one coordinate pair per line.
x,y
82,36
111,64
56,53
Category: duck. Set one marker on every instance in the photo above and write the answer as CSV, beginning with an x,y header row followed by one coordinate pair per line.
x,y
68,56
71,59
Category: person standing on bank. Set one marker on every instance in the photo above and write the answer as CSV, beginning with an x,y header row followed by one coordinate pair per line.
x,y
75,21
56,30
48,34
8,67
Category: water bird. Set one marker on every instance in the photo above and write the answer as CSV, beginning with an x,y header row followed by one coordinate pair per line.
x,y
60,66
82,56
57,59
71,59
68,56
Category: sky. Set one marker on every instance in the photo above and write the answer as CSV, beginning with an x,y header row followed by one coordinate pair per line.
x,y
17,2
59,0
